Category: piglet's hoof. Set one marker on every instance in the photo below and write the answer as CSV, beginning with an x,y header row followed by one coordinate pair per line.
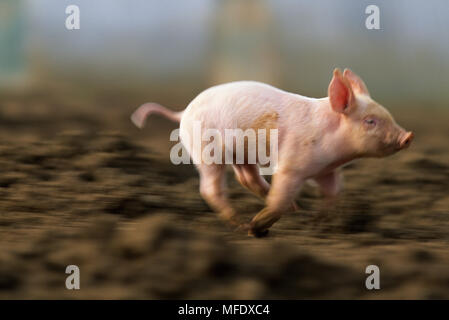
x,y
257,233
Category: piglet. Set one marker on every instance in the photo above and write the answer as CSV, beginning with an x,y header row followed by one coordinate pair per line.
x,y
315,138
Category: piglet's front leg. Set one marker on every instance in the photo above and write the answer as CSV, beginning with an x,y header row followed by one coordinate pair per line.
x,y
285,187
330,185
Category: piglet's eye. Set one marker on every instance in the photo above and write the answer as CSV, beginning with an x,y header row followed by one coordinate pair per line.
x,y
370,121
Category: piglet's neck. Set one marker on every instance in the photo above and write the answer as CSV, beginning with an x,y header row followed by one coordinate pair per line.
x,y
337,140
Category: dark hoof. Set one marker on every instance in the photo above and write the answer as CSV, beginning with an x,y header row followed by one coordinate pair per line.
x,y
258,233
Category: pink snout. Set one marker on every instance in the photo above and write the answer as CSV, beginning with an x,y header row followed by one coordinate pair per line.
x,y
406,140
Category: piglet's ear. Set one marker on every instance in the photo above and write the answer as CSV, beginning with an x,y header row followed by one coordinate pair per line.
x,y
340,93
357,84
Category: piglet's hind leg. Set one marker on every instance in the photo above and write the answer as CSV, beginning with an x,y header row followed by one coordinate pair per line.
x,y
212,189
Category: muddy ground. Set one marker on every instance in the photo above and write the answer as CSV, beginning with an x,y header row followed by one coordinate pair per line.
x,y
80,185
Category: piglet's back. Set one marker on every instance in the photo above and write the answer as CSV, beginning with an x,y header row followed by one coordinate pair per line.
x,y
237,104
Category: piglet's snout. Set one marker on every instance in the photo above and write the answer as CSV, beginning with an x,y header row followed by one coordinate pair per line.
x,y
405,140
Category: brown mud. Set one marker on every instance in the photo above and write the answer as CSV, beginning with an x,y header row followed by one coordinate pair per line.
x,y
80,185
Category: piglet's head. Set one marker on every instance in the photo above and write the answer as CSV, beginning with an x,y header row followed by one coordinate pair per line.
x,y
369,128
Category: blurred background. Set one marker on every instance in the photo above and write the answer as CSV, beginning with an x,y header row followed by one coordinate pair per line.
x,y
180,48
80,184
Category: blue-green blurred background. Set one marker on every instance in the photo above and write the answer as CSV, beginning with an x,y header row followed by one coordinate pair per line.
x,y
181,47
